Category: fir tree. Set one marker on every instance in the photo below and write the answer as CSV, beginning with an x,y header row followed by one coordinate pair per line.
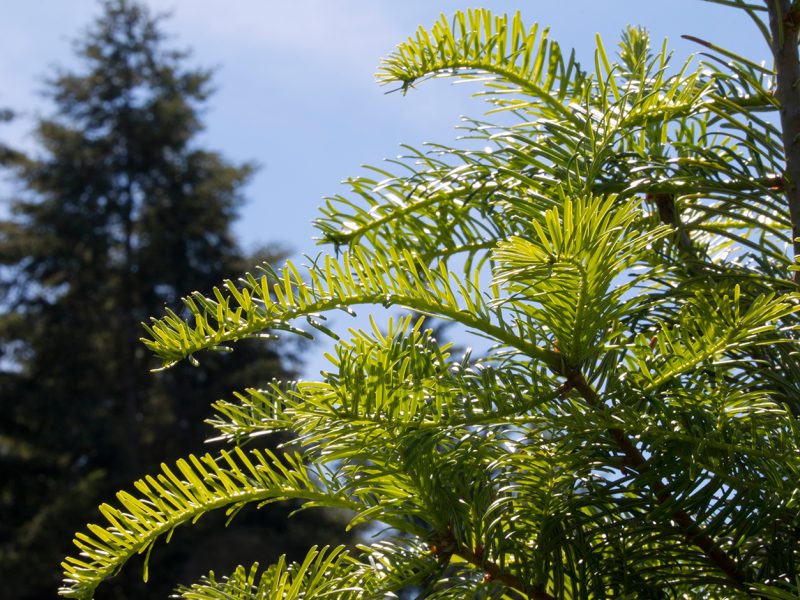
x,y
628,244
121,211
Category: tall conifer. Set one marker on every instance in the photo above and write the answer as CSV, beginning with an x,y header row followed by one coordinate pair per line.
x,y
121,211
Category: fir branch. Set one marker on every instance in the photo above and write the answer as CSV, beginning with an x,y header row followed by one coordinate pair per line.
x,y
635,460
169,500
495,573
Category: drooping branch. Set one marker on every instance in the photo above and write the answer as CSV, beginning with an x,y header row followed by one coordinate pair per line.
x,y
635,460
784,23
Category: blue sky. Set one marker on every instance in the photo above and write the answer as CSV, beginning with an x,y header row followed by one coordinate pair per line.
x,y
295,82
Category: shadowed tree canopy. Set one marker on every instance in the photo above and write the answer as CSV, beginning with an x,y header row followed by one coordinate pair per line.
x,y
120,210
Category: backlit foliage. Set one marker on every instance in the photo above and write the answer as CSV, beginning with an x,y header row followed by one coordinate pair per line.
x,y
632,432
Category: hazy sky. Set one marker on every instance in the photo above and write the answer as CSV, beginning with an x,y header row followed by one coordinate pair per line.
x,y
295,82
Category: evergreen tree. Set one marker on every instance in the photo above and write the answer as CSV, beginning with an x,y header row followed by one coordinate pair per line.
x,y
632,433
7,155
121,211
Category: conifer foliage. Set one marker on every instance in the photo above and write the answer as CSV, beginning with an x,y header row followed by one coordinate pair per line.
x,y
625,240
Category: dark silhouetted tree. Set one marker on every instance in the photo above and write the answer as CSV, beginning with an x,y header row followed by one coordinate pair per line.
x,y
120,212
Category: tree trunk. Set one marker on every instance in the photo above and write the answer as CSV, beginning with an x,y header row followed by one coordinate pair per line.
x,y
784,19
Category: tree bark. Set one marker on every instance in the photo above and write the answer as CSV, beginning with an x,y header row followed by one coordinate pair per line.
x,y
784,22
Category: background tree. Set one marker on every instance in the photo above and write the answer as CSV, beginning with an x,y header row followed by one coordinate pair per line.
x,y
632,433
119,212
6,153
